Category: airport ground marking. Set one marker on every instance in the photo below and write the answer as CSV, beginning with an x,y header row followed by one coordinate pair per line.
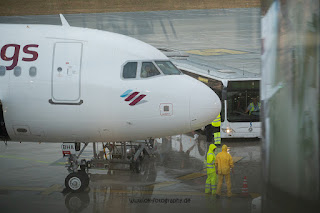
x,y
21,158
33,160
236,159
22,188
203,172
163,184
51,189
254,195
215,52
192,176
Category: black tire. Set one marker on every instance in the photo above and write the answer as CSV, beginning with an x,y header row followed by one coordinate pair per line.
x,y
76,182
132,167
77,146
85,178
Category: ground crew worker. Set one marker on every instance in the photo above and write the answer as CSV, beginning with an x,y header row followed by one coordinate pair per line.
x,y
216,130
211,182
209,132
254,107
223,164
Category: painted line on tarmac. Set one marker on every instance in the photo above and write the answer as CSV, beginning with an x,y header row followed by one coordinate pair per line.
x,y
255,195
58,162
21,158
163,184
211,52
236,159
203,173
21,188
51,189
192,176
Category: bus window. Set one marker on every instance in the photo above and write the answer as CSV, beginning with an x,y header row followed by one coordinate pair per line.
x,y
241,97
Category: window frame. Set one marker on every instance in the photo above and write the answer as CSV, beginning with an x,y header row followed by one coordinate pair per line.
x,y
139,67
122,69
155,63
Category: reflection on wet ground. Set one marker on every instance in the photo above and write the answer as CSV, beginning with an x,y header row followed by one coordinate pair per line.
x,y
173,180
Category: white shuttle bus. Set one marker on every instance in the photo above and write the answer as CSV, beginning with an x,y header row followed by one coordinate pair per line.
x,y
236,88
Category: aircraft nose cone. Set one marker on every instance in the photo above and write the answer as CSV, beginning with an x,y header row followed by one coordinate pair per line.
x,y
205,106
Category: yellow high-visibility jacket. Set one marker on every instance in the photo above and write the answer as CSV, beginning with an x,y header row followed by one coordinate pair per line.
x,y
211,157
217,121
251,105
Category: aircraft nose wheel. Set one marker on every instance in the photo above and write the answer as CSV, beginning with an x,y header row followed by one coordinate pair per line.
x,y
77,181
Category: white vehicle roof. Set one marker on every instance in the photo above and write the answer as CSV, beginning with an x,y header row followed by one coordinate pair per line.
x,y
209,70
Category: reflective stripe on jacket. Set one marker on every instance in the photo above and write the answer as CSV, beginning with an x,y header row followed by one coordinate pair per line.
x,y
217,121
217,138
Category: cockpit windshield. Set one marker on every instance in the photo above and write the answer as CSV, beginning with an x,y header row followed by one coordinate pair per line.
x,y
168,68
148,69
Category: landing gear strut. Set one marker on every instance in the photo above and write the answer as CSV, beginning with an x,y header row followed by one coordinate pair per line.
x,y
78,179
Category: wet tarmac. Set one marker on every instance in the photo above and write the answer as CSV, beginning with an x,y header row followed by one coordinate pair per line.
x,y
33,179
32,174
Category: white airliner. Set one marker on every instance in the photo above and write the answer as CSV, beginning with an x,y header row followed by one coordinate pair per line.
x,y
69,84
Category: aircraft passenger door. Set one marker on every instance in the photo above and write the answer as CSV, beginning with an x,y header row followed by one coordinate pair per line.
x,y
66,73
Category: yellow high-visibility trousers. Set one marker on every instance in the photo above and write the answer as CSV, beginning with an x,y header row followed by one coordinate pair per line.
x,y
228,182
211,183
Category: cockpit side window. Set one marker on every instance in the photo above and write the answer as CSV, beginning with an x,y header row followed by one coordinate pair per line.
x,y
148,69
168,68
130,70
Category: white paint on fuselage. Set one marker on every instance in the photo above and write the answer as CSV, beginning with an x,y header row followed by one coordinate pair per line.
x,y
103,115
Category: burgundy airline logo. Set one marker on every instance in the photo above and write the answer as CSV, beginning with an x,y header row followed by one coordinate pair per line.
x,y
29,54
133,97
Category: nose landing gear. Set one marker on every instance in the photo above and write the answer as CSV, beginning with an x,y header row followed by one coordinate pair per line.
x,y
78,179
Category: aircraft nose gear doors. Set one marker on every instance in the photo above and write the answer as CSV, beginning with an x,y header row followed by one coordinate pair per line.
x,y
78,179
3,131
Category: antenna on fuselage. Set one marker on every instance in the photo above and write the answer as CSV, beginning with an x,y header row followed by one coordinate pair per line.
x,y
64,22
